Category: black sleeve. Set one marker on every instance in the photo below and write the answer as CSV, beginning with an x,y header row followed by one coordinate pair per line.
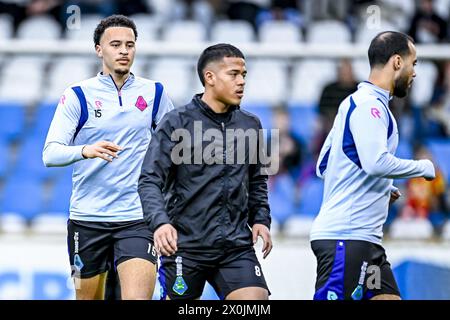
x,y
154,173
259,210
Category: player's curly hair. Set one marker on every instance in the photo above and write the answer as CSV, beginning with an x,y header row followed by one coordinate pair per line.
x,y
113,21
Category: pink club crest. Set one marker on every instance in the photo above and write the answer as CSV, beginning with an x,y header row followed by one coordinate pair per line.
x,y
375,113
141,104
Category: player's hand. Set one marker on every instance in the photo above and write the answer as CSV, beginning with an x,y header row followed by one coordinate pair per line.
x,y
260,230
395,194
166,238
103,149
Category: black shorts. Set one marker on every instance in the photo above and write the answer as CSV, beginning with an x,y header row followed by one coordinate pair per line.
x,y
94,246
352,270
183,275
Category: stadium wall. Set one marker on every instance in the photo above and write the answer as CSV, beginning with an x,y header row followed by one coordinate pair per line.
x,y
36,267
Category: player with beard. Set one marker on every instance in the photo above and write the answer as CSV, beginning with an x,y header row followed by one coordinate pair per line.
x,y
358,165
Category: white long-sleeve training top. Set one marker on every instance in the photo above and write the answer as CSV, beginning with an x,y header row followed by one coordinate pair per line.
x,y
95,110
358,165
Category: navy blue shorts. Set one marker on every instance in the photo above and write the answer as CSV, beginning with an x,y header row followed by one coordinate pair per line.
x,y
352,270
95,246
184,275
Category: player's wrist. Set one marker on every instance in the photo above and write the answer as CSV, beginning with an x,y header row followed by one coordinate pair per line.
x,y
428,169
83,153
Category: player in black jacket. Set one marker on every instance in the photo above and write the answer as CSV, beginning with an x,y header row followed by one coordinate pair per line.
x,y
203,188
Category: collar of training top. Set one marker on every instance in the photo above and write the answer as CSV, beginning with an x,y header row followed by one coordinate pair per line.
x,y
206,108
383,94
108,80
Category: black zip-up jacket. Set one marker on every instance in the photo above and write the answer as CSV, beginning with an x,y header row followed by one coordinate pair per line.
x,y
210,205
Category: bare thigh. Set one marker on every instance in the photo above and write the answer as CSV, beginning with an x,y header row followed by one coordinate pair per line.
x,y
137,279
91,288
248,293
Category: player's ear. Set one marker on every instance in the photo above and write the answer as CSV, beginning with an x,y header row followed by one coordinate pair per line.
x,y
398,61
210,77
98,49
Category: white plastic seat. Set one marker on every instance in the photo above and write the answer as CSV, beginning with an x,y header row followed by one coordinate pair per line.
x,y
22,78
176,79
147,25
232,31
49,223
298,226
329,31
446,231
361,69
279,32
442,7
12,223
266,82
411,229
39,27
309,78
184,32
59,79
162,8
85,31
364,34
139,67
423,85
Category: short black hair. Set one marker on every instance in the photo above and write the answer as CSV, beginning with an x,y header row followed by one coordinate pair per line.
x,y
116,20
215,53
386,44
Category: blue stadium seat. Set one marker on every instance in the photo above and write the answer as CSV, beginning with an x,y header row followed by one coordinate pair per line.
x,y
404,150
12,117
303,121
43,117
281,197
4,156
24,197
29,161
60,196
264,113
440,149
311,197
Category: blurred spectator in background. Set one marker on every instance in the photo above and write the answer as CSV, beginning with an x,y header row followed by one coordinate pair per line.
x,y
332,95
426,25
287,10
291,149
424,198
197,10
245,10
439,111
283,190
20,11
329,9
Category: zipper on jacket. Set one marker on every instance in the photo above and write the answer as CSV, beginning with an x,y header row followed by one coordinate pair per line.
x,y
119,92
225,183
